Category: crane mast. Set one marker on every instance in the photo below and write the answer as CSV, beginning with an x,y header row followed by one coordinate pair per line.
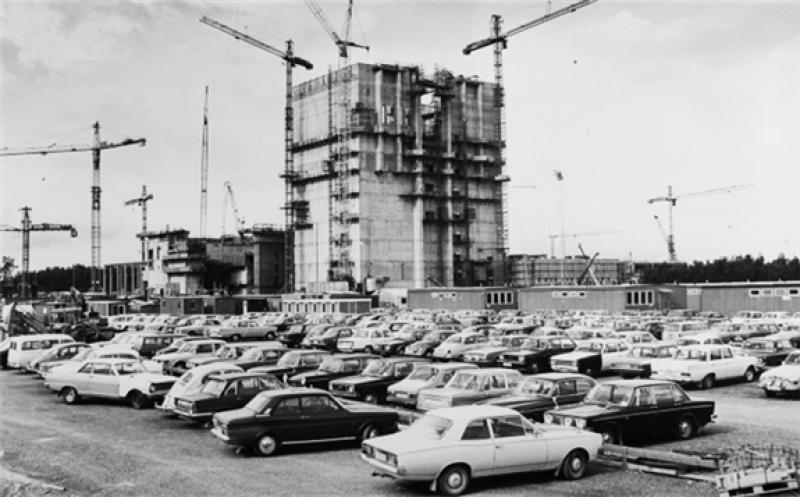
x,y
289,175
142,202
95,148
25,228
204,170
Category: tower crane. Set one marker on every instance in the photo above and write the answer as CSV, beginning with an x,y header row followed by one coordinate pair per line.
x,y
230,199
95,148
672,201
338,228
25,228
288,175
576,235
142,202
204,170
500,42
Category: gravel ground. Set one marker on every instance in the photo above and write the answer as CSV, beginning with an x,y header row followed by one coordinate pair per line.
x,y
103,448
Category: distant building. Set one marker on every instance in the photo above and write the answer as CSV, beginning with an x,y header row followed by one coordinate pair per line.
x,y
538,270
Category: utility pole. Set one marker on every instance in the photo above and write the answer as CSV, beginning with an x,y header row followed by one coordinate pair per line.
x,y
142,202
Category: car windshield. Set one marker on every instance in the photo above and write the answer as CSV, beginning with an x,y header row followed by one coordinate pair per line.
x,y
129,368
535,386
83,354
430,426
590,347
330,333
793,359
454,339
644,352
534,343
464,381
226,352
253,354
186,347
213,387
331,365
289,360
765,346
608,394
434,337
581,334
186,378
422,374
377,368
257,403
690,355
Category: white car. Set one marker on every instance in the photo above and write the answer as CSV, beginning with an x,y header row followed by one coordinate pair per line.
x,y
454,347
110,378
366,340
406,391
591,357
704,365
193,380
112,352
783,379
450,446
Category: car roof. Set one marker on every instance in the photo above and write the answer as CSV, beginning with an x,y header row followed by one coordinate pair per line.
x,y
356,356
557,376
487,371
284,392
639,382
405,359
704,346
454,365
236,376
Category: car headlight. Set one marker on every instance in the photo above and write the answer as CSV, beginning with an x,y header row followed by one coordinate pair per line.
x,y
580,423
152,389
548,418
303,381
568,421
351,388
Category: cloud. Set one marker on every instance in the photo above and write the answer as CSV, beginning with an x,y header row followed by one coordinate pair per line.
x,y
13,65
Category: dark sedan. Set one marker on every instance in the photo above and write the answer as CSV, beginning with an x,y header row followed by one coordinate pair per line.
x,y
294,335
535,353
300,416
329,339
372,384
539,393
223,392
332,367
626,410
425,346
770,351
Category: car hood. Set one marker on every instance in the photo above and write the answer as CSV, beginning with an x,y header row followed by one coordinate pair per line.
x,y
410,386
571,356
357,380
791,371
584,411
150,378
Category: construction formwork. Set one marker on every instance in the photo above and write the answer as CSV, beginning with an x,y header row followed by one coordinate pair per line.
x,y
419,200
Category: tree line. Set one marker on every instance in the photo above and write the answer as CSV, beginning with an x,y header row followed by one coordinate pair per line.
x,y
52,279
739,268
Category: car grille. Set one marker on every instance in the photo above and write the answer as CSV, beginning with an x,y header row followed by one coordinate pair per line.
x,y
183,405
513,358
562,362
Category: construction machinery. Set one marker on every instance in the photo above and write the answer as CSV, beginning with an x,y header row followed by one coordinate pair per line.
x,y
25,228
95,148
229,200
289,174
141,201
553,238
204,170
500,42
672,201
340,128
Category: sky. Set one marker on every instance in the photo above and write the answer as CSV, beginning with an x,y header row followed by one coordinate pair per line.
x,y
623,97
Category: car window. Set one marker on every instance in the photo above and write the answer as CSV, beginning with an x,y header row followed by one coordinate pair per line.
x,y
476,430
498,381
678,395
204,348
351,366
318,404
643,397
469,340
507,426
287,407
249,386
715,355
231,389
104,369
86,368
584,385
663,395
726,353
402,369
567,387
310,360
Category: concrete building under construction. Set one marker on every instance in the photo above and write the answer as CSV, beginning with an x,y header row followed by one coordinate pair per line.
x,y
402,185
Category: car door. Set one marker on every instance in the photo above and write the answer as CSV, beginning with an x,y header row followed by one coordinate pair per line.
x,y
477,447
286,421
324,419
642,416
720,367
515,449
734,366
104,381
80,379
229,399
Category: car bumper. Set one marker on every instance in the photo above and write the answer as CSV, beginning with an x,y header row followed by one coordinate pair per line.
x,y
483,363
193,416
779,386
676,377
225,438
565,368
403,399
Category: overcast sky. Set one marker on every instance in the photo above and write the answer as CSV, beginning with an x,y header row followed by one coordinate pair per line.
x,y
623,97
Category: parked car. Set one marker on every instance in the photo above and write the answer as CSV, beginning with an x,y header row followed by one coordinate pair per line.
x,y
426,345
266,354
175,363
54,354
371,384
754,330
292,363
639,360
490,353
449,447
242,330
677,329
785,379
636,337
470,386
536,394
436,375
295,416
147,344
328,340
193,380
535,353
88,353
223,392
591,357
229,352
702,338
22,348
199,327
110,378
626,410
770,351
454,347
294,335
366,340
704,365
177,344
331,368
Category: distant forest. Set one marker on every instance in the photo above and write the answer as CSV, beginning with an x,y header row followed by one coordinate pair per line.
x,y
55,279
740,268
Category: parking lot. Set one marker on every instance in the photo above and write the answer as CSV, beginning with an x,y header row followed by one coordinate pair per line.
x,y
104,448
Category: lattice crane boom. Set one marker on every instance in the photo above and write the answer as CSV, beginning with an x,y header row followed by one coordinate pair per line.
x,y
142,202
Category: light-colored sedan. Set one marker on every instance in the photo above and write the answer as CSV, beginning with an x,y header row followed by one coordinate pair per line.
x,y
454,348
705,365
193,380
449,447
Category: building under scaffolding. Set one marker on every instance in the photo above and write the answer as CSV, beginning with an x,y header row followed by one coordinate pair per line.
x,y
414,198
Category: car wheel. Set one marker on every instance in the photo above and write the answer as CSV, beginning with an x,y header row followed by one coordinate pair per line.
x,y
589,372
707,382
137,399
400,351
609,434
685,429
70,396
534,368
749,375
574,465
453,480
368,350
369,431
235,338
267,445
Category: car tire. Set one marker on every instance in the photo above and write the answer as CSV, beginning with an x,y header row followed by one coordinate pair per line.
x,y
70,396
609,434
369,431
454,480
588,371
685,428
574,465
138,400
707,382
235,338
534,368
368,350
267,445
428,354
750,375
